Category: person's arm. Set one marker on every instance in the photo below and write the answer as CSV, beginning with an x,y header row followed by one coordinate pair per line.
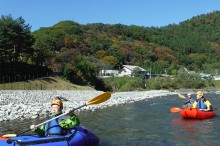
x,y
194,104
187,101
192,100
208,104
39,131
71,122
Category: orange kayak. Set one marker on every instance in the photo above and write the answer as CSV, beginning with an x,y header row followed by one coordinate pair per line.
x,y
194,113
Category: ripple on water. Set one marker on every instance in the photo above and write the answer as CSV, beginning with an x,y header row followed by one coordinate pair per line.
x,y
144,123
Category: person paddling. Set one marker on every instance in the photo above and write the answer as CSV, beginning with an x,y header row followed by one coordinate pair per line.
x,y
201,102
189,101
57,126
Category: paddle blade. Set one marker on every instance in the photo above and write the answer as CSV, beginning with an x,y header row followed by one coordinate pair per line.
x,y
175,109
9,135
99,99
181,96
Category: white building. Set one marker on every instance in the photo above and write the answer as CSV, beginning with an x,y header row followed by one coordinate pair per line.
x,y
216,77
109,73
127,70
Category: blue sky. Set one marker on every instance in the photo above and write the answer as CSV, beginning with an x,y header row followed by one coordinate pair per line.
x,y
46,13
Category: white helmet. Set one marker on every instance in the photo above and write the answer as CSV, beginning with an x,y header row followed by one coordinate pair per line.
x,y
189,94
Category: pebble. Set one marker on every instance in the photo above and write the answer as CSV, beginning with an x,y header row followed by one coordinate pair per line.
x,y
31,104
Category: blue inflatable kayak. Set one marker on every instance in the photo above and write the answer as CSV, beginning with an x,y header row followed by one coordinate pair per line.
x,y
79,136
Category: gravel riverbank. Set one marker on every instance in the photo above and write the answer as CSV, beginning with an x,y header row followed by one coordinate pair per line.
x,y
31,104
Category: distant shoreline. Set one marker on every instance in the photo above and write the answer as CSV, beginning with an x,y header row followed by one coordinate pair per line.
x,y
31,104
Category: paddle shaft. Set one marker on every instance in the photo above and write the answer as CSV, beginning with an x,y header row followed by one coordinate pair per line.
x,y
98,99
52,119
60,115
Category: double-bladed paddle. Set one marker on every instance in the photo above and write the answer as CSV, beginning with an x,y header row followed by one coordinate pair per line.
x,y
98,99
181,96
175,110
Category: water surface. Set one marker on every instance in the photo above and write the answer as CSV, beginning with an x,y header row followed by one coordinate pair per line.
x,y
143,123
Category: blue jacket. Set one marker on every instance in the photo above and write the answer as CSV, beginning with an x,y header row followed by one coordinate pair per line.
x,y
188,101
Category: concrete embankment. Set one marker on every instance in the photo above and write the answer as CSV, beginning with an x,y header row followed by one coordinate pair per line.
x,y
24,104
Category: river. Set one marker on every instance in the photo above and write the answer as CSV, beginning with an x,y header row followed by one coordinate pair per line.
x,y
143,123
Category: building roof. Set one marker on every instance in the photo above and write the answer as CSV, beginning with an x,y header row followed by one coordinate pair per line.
x,y
132,67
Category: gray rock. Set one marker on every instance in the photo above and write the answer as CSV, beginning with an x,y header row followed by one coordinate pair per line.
x,y
34,103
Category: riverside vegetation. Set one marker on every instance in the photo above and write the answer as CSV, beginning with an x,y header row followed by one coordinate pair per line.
x,y
182,81
80,52
46,83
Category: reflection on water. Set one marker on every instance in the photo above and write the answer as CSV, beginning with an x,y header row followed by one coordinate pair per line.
x,y
142,123
18,126
193,131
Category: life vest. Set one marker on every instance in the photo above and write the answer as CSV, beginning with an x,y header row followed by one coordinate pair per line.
x,y
53,127
201,104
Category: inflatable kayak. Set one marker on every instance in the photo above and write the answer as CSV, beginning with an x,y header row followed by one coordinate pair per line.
x,y
194,113
79,136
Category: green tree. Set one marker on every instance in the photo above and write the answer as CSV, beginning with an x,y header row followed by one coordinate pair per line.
x,y
82,72
189,80
15,40
47,42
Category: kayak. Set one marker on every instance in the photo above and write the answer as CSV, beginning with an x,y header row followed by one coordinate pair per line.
x,y
195,113
79,136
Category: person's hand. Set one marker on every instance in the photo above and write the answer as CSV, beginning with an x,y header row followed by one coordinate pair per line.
x,y
32,127
68,112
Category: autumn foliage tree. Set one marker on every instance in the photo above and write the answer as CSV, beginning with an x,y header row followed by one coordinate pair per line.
x,y
111,60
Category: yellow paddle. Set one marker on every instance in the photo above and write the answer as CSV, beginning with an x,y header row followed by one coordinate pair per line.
x,y
8,135
181,96
176,109
98,99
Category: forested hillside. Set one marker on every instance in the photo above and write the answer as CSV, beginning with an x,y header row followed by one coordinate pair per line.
x,y
81,51
193,44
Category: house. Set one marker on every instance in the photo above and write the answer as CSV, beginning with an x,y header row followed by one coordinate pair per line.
x,y
127,70
216,77
108,73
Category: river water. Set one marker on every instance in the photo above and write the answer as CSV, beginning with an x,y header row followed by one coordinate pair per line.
x,y
143,123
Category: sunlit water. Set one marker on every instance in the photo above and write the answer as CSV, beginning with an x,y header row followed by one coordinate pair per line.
x,y
143,123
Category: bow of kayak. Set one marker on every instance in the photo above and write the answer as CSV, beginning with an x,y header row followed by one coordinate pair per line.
x,y
194,113
76,137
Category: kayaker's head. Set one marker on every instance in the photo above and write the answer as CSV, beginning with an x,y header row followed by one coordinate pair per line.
x,y
56,106
200,95
189,95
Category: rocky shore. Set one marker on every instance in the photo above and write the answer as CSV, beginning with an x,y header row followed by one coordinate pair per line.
x,y
31,104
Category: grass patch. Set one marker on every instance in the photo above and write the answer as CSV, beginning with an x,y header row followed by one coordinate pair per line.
x,y
125,83
47,83
216,83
